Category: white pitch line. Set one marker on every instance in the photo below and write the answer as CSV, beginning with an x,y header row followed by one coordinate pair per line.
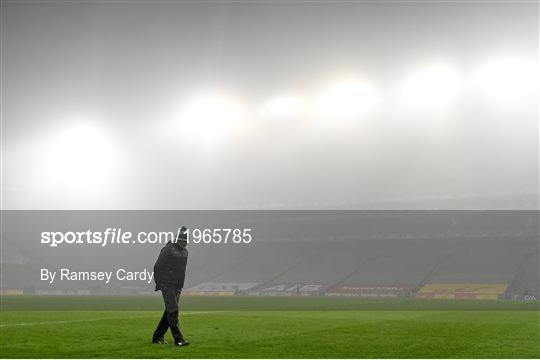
x,y
104,319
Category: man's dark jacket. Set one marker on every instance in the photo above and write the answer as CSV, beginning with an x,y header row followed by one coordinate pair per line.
x,y
170,267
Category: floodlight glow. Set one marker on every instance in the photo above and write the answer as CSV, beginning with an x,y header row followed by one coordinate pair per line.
x,y
348,100
283,107
78,157
507,79
209,117
430,88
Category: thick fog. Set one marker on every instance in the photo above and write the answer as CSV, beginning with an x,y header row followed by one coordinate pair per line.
x,y
217,105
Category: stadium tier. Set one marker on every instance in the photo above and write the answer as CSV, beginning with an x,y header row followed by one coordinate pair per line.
x,y
256,265
394,269
491,261
525,285
320,267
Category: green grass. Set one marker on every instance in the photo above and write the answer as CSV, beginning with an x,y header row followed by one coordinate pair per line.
x,y
251,327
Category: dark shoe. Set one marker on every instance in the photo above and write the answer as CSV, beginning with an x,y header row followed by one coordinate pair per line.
x,y
159,341
181,342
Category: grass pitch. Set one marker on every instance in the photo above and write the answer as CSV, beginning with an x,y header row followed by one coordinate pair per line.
x,y
252,327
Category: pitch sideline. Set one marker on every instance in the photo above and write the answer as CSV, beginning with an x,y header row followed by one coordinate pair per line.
x,y
104,319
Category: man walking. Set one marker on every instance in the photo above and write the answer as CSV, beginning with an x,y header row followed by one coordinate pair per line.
x,y
169,275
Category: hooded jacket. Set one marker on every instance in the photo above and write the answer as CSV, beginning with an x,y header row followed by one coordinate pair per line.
x,y
170,267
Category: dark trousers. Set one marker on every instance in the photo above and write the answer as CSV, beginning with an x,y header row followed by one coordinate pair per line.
x,y
170,315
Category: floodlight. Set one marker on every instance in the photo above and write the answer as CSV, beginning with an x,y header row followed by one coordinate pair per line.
x,y
430,87
507,79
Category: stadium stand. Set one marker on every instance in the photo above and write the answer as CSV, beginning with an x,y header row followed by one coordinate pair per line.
x,y
373,254
259,265
394,269
316,271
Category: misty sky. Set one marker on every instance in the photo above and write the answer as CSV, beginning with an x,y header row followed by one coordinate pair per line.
x,y
93,96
